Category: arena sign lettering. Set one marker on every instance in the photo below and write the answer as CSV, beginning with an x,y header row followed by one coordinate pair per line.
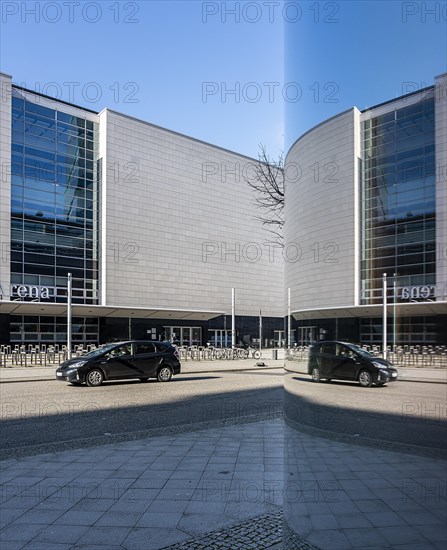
x,y
418,292
28,291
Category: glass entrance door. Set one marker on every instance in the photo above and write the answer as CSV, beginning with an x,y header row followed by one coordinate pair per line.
x,y
220,338
184,336
280,339
196,336
306,335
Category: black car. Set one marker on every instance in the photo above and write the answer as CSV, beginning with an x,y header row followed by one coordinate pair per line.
x,y
343,361
121,361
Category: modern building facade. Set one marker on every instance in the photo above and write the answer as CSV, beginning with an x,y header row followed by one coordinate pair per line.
x,y
155,227
366,196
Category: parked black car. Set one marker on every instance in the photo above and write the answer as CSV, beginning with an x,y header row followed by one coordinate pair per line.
x,y
343,361
121,361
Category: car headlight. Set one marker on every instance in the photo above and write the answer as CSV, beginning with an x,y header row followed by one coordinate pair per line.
x,y
75,366
379,365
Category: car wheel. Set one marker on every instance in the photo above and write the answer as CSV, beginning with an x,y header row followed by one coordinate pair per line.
x,y
144,379
365,379
316,374
94,378
164,374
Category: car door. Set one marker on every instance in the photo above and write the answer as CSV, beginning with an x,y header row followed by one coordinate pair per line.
x,y
145,359
118,362
346,364
327,359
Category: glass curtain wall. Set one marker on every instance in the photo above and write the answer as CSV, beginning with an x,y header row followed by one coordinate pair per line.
x,y
398,199
54,210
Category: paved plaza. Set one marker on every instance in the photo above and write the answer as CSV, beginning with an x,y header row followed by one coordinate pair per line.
x,y
223,488
144,494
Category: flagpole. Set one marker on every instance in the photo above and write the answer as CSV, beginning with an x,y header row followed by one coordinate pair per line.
x,y
233,318
384,336
69,314
394,312
289,326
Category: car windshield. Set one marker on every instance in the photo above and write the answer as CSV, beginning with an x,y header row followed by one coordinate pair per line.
x,y
102,349
360,351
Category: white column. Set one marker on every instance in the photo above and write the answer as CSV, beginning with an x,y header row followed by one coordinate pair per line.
x,y
5,184
441,183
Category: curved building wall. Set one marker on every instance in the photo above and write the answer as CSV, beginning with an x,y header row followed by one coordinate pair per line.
x,y
322,171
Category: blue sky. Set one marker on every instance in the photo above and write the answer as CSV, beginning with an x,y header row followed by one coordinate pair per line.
x,y
215,70
360,53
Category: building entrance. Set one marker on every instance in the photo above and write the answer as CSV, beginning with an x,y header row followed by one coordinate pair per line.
x,y
306,335
184,336
220,338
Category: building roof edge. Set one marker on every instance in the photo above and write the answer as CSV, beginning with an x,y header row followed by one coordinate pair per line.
x,y
106,109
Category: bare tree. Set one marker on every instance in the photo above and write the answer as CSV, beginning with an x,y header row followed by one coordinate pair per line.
x,y
266,178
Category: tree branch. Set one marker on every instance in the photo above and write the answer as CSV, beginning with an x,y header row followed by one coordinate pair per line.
x,y
268,185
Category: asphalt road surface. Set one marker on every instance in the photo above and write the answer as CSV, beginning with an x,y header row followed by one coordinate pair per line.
x,y
52,412
412,413
55,413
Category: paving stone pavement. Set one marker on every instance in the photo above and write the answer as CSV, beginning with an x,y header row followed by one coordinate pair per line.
x,y
345,496
145,494
257,534
223,487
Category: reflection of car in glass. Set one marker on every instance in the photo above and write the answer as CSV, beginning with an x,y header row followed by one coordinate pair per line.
x,y
122,361
343,361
